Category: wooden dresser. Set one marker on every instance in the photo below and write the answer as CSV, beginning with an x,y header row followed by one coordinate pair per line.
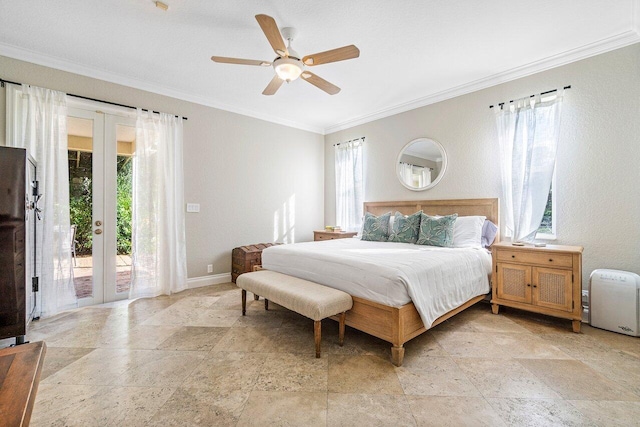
x,y
543,280
331,235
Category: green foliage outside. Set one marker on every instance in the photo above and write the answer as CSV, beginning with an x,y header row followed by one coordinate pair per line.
x,y
80,201
546,224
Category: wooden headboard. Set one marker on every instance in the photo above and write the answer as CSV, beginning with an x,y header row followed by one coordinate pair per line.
x,y
463,207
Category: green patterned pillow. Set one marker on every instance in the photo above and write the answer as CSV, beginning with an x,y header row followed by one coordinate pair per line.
x,y
405,229
436,231
376,228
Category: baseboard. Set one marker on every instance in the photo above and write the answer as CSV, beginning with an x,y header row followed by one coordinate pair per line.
x,y
215,279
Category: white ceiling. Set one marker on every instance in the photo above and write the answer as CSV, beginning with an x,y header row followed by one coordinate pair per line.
x,y
413,52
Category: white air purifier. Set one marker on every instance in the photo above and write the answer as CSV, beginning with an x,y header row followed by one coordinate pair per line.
x,y
614,301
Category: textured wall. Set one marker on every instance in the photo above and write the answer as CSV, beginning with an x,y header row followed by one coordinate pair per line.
x,y
255,181
598,164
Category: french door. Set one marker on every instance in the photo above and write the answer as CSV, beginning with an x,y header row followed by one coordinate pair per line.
x,y
101,148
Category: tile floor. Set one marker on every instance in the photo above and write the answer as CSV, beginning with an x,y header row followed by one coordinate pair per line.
x,y
192,359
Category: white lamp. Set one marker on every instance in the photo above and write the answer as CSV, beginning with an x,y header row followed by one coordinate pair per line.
x,y
288,68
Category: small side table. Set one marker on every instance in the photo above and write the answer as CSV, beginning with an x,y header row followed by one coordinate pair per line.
x,y
332,235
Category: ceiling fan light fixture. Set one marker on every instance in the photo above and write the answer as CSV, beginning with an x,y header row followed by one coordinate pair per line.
x,y
288,69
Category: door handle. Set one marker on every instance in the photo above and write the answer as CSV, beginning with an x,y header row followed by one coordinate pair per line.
x,y
98,223
98,231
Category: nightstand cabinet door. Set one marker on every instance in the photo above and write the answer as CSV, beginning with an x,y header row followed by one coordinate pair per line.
x,y
552,288
514,282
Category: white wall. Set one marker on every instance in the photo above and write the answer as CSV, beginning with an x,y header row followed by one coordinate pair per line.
x,y
244,172
598,164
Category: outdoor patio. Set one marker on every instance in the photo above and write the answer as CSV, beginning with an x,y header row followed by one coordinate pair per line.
x,y
83,275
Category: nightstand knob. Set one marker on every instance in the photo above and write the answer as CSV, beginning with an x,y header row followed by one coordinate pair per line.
x,y
528,285
550,260
535,286
513,256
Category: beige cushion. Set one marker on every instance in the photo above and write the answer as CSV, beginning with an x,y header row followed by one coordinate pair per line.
x,y
307,298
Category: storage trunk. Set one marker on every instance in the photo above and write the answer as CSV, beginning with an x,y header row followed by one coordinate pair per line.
x,y
245,257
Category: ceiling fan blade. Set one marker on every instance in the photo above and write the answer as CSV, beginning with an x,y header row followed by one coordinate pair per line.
x,y
334,55
270,29
273,86
320,83
239,61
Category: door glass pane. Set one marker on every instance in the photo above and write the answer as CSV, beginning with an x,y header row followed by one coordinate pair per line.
x,y
125,136
80,141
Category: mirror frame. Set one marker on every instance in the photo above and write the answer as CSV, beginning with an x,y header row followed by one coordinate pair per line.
x,y
442,170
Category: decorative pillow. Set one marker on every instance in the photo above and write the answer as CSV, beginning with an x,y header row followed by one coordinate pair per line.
x,y
376,228
467,232
405,228
489,232
436,231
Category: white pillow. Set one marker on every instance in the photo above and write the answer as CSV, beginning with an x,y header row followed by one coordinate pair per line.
x,y
467,232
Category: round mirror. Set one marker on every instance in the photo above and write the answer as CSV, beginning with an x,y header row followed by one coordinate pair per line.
x,y
421,164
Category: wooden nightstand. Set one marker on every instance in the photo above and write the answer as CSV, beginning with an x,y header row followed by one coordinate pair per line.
x,y
332,235
543,280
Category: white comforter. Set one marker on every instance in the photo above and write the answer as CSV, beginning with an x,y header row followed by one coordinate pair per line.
x,y
437,280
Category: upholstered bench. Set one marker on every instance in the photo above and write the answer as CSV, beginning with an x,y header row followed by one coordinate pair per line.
x,y
306,298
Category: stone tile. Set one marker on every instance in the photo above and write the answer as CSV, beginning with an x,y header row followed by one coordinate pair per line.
x,y
161,369
200,407
574,380
620,367
293,372
539,412
193,338
139,337
227,371
215,318
489,322
362,374
611,414
259,319
504,378
537,323
614,340
444,411
368,409
257,340
57,358
100,367
579,346
424,345
528,346
281,408
469,344
435,376
96,405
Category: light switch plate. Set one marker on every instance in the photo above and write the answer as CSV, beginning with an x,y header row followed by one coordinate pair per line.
x,y
193,207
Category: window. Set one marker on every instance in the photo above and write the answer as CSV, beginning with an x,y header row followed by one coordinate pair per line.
x,y
547,229
349,184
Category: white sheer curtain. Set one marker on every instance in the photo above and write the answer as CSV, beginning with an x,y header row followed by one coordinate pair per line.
x,y
528,134
37,121
159,262
349,185
425,177
406,172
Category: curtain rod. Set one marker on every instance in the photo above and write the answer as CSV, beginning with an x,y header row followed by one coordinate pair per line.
x,y
542,93
416,166
3,81
346,142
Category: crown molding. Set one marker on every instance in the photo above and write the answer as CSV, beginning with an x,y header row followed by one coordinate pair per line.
x,y
120,79
602,46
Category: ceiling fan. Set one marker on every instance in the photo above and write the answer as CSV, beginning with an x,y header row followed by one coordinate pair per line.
x,y
287,64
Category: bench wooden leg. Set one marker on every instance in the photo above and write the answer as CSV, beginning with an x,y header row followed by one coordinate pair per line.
x,y
256,297
266,304
317,334
244,302
397,355
341,328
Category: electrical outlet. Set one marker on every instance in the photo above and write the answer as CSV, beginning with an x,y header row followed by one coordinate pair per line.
x,y
193,207
210,268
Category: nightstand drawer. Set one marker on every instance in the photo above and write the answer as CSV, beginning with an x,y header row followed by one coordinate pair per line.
x,y
547,258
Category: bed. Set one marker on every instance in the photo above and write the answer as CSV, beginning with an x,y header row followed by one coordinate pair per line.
x,y
392,299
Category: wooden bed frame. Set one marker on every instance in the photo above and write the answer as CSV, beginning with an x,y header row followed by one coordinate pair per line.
x,y
398,325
